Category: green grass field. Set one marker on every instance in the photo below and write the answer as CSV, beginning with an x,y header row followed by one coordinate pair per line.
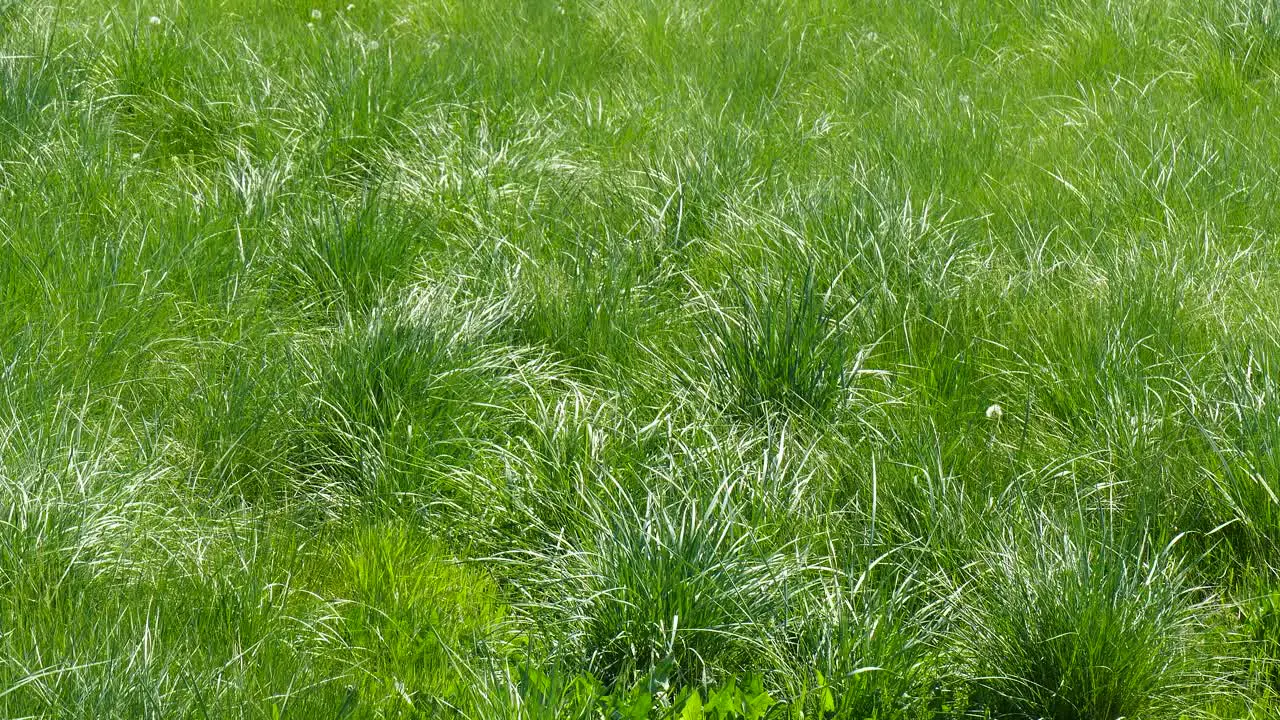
x,y
632,359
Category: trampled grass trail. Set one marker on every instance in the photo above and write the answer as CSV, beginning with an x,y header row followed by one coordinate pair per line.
x,y
543,359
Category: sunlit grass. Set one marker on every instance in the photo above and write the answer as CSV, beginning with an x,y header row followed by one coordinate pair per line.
x,y
563,359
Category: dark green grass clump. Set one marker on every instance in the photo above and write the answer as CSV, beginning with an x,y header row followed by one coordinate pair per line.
x,y
781,351
1064,629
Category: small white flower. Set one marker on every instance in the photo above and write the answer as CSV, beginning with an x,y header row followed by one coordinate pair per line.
x,y
964,99
154,20
373,45
135,157
316,14
311,25
995,412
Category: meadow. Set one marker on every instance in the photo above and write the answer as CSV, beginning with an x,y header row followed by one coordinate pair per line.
x,y
542,359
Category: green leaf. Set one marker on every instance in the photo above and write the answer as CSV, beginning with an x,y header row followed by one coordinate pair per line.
x,y
693,708
758,705
725,700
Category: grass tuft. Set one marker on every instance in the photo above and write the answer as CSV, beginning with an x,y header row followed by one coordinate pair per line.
x,y
782,350
1063,628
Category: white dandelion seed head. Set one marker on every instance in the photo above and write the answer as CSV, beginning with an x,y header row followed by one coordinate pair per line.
x,y
154,20
316,14
373,45
135,157
995,412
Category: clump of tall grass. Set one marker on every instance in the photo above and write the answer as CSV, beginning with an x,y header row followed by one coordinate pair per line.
x,y
349,255
232,419
1246,441
677,584
867,643
398,387
586,312
1056,625
782,349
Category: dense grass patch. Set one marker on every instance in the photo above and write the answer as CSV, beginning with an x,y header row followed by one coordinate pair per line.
x,y
1065,630
639,358
785,352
